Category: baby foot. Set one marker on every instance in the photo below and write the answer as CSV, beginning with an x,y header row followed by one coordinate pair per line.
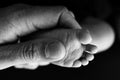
x,y
73,53
78,57
75,49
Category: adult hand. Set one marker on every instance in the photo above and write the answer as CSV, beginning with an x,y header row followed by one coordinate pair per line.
x,y
68,44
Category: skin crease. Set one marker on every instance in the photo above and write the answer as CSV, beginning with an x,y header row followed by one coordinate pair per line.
x,y
25,19
20,20
42,60
71,43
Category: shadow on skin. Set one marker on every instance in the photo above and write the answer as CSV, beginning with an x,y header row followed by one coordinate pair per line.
x,y
102,34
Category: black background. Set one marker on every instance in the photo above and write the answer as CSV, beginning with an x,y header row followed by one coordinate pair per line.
x,y
105,66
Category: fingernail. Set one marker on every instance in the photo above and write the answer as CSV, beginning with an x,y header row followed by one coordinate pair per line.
x,y
54,50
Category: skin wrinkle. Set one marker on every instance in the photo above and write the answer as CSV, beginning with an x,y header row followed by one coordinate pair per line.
x,y
28,51
20,51
72,54
24,53
67,37
67,58
41,47
64,11
31,51
66,45
54,13
18,14
25,21
70,39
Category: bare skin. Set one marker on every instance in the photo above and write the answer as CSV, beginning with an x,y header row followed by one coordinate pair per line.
x,y
102,34
24,19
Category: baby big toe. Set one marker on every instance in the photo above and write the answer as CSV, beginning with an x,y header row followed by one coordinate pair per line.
x,y
92,49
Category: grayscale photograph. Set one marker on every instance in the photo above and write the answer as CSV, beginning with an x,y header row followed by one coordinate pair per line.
x,y
70,39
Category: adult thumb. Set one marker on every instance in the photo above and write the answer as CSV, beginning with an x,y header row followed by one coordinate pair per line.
x,y
55,50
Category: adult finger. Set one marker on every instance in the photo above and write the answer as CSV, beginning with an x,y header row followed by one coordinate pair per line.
x,y
24,19
37,51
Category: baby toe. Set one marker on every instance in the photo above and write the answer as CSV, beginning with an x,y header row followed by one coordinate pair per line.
x,y
90,57
77,64
92,49
84,62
